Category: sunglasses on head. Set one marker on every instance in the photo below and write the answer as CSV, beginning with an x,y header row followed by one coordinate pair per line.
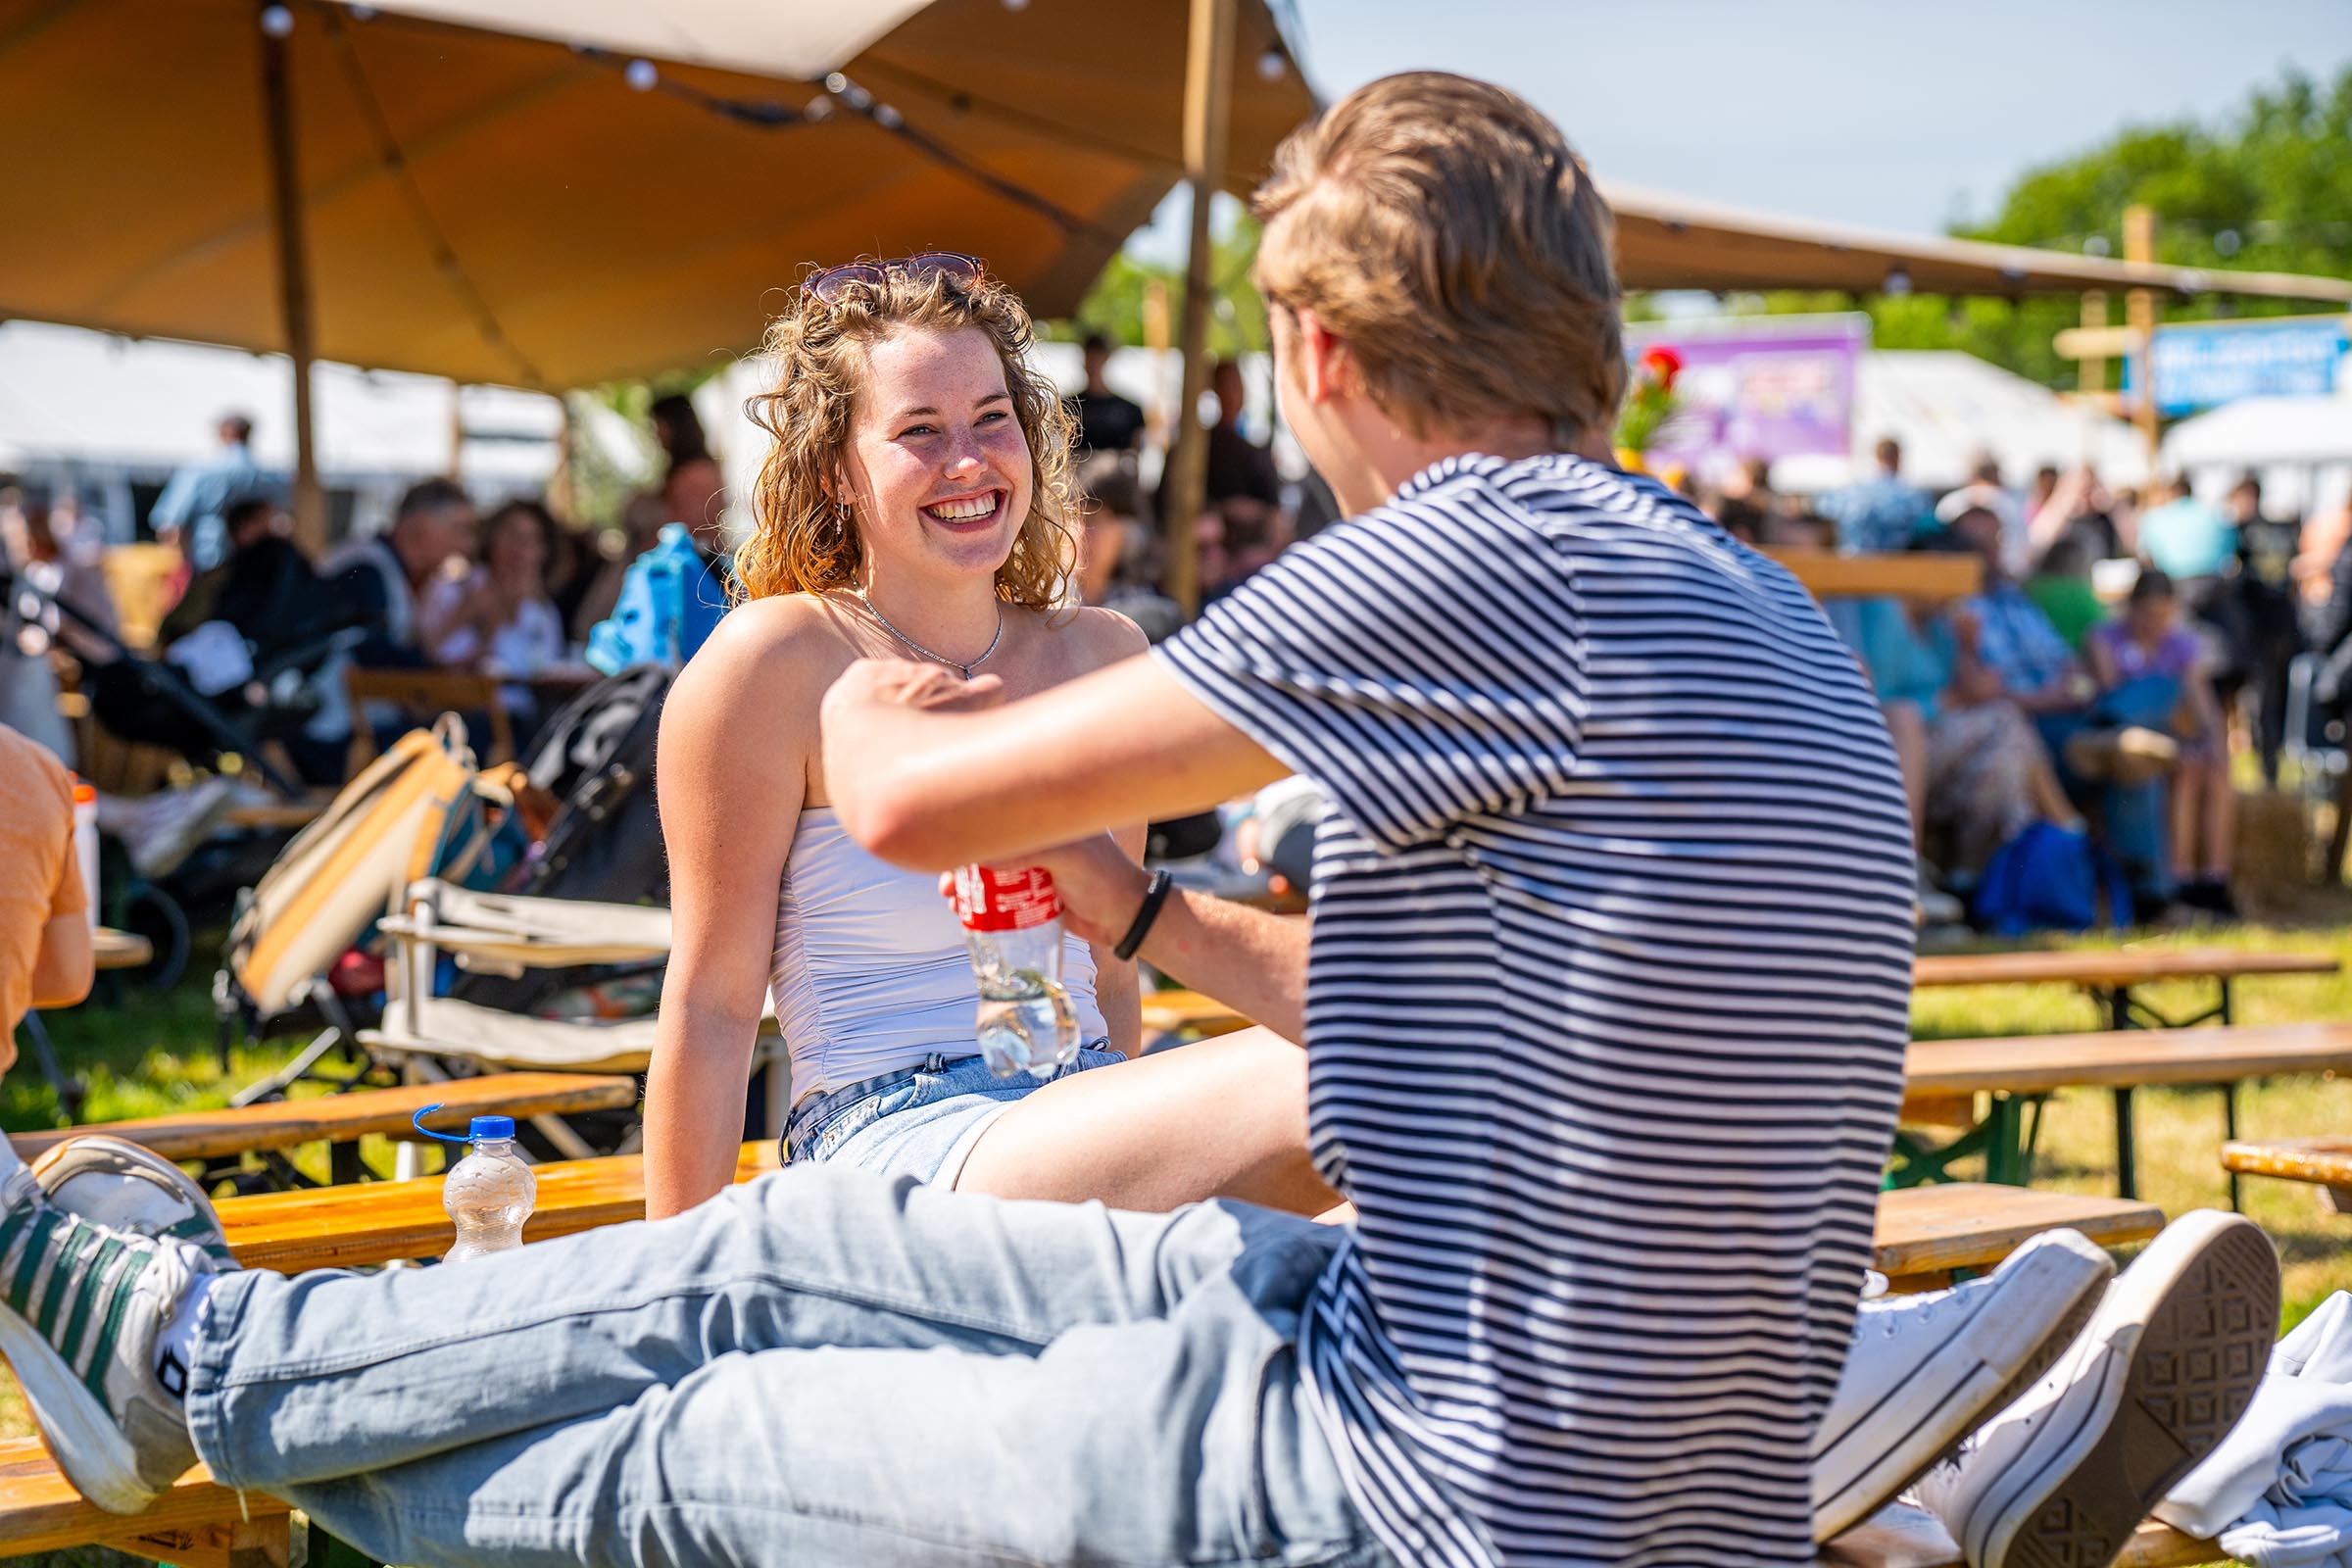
x,y
831,283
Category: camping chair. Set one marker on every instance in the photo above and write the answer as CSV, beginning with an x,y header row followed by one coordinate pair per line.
x,y
428,1035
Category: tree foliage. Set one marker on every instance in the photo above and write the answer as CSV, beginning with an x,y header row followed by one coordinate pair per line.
x,y
1116,305
2268,189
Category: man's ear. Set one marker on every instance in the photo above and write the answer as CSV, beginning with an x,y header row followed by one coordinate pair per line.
x,y
1325,368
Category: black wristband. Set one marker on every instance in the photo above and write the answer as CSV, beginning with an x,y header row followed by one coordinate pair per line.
x,y
1153,897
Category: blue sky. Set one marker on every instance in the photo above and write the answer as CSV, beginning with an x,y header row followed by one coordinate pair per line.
x,y
1901,114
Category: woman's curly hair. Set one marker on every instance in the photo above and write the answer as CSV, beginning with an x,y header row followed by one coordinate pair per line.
x,y
800,539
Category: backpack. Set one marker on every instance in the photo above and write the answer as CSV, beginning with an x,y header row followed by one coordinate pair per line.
x,y
670,600
420,810
2050,879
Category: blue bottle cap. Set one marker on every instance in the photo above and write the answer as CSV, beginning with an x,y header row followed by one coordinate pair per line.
x,y
488,1127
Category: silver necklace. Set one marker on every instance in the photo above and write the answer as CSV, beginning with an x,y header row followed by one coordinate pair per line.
x,y
965,670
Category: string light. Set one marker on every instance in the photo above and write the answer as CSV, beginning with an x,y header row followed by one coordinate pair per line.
x,y
641,76
276,20
1898,282
1271,66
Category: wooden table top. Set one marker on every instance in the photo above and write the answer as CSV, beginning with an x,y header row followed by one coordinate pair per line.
x,y
375,1222
340,1118
1948,1225
2123,966
2120,1058
1905,1537
120,950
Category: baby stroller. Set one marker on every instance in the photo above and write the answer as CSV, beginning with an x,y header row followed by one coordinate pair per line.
x,y
230,698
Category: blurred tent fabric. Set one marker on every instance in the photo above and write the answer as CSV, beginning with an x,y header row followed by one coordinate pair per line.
x,y
492,203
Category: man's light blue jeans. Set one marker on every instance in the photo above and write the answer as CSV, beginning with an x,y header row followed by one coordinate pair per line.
x,y
821,1368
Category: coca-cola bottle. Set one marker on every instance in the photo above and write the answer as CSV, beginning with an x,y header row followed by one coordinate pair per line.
x,y
1013,925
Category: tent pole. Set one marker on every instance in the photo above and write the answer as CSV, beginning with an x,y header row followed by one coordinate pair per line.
x,y
2140,313
1207,90
293,284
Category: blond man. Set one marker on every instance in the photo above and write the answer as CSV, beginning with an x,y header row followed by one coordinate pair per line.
x,y
1604,1002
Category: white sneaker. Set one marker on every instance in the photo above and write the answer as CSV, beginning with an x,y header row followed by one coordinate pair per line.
x,y
1924,1370
2063,1477
80,1309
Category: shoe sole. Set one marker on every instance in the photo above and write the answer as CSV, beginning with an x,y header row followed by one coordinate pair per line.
x,y
83,1438
2188,1374
1978,1375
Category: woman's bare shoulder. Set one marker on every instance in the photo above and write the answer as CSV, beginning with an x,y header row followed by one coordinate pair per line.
x,y
1099,637
768,659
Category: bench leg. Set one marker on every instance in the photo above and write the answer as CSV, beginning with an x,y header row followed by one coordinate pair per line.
x,y
2230,1135
2127,1177
2005,1160
265,1542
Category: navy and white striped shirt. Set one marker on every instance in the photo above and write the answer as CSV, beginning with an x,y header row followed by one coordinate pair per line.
x,y
1606,1004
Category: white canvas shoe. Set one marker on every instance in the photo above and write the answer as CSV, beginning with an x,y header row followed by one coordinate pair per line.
x,y
2171,1359
1923,1371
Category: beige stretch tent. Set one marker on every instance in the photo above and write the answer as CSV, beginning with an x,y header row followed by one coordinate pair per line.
x,y
482,201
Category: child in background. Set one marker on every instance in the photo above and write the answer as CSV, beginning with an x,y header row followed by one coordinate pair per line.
x,y
2149,643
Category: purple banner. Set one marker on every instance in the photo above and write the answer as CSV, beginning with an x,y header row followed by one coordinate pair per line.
x,y
1756,388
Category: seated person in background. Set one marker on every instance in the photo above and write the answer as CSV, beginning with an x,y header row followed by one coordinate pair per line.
x,y
497,618
1986,492
377,581
2061,587
2150,644
45,955
2112,748
1107,424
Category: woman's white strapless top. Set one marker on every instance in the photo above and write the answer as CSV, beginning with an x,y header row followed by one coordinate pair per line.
x,y
870,974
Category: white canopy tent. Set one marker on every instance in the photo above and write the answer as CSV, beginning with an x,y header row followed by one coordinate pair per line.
x,y
1948,409
2299,447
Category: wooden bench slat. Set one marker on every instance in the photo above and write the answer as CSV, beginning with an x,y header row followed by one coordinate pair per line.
x,y
1924,1230
213,1134
2122,966
40,1511
2124,1058
2327,1161
376,1222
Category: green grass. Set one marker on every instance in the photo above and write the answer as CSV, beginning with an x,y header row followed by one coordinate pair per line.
x,y
142,1054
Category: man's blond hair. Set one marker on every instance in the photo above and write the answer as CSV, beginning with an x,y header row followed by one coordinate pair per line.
x,y
1443,228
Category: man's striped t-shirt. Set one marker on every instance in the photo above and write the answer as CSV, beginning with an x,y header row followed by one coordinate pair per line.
x,y
1606,1003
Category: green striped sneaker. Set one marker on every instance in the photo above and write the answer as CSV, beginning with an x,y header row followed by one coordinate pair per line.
x,y
83,1309
116,1182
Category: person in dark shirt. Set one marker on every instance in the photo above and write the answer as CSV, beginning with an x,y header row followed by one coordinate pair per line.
x,y
265,587
1105,420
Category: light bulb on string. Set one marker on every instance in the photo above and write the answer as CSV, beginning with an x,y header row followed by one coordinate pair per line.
x,y
641,76
1271,66
276,20
1898,282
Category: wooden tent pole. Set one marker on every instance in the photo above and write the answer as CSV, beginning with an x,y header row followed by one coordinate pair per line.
x,y
2139,314
1207,91
293,284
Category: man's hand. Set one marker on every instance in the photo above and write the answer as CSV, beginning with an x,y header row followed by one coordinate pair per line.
x,y
1101,888
873,683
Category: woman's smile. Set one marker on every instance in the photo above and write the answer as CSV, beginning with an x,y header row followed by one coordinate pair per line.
x,y
974,512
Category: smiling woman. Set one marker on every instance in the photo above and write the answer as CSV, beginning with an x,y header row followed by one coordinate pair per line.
x,y
913,508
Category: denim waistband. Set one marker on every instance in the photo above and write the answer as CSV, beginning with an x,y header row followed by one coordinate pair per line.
x,y
810,1117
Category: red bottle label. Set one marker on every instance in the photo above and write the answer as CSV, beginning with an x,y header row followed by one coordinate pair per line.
x,y
1004,901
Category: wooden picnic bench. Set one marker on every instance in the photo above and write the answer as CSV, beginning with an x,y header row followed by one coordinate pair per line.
x,y
219,1138
1926,1235
2018,1073
2325,1162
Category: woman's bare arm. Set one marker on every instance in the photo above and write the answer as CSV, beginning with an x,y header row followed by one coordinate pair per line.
x,y
734,741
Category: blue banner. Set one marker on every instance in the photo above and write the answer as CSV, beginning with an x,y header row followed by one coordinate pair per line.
x,y
2198,366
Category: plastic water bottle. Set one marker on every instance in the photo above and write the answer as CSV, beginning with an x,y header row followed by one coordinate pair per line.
x,y
85,846
1013,925
489,1192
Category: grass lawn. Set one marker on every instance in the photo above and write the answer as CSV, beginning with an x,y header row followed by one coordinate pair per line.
x,y
143,1054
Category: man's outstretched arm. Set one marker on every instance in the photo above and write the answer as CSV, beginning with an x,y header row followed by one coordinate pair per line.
x,y
933,790
1126,744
